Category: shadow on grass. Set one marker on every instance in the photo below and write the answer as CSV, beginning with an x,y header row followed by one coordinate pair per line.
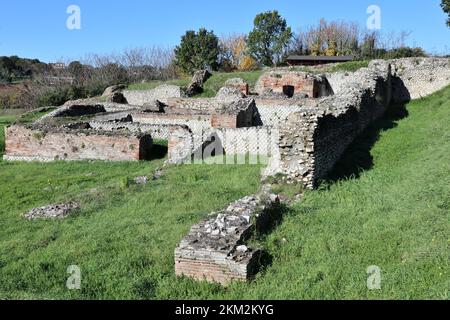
x,y
265,226
358,158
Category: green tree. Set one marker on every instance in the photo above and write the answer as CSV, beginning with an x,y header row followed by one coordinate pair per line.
x,y
75,69
269,38
446,7
197,50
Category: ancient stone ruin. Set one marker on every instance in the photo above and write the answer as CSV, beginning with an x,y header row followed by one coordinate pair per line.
x,y
300,123
214,249
54,211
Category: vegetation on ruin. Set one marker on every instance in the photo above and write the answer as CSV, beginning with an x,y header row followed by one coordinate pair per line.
x,y
386,204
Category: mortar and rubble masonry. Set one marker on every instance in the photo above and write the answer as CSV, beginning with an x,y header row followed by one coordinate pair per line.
x,y
214,249
38,144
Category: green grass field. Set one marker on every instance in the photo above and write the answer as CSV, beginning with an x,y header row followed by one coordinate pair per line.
x,y
395,214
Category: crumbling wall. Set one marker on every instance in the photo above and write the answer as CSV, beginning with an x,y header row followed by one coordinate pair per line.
x,y
194,121
314,139
414,78
185,145
292,83
214,251
239,84
28,144
162,93
157,131
275,112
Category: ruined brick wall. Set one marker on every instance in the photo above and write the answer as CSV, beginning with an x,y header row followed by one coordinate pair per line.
x,y
224,121
194,121
275,112
214,251
293,83
412,78
314,139
181,145
257,141
239,84
24,143
157,131
162,93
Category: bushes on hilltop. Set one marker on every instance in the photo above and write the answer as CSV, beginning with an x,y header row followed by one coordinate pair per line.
x,y
339,38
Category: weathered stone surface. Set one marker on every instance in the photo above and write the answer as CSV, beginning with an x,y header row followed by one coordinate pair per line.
x,y
48,144
117,97
112,89
141,180
154,106
314,139
238,83
54,211
214,251
77,110
414,78
201,76
291,84
162,93
229,94
196,85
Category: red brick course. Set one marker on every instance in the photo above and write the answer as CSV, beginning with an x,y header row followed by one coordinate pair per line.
x,y
35,144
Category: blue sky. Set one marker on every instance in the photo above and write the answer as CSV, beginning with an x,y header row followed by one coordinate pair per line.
x,y
37,29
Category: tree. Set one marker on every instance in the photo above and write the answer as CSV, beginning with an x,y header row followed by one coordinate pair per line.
x,y
233,48
269,38
446,7
76,70
197,51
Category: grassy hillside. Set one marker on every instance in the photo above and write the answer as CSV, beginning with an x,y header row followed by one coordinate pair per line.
x,y
395,215
218,78
210,87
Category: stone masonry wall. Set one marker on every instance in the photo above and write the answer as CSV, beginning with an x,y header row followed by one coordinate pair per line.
x,y
300,82
314,139
24,143
413,78
418,77
157,131
256,141
214,249
162,93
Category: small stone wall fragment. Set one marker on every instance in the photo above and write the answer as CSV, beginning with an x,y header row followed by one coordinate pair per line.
x,y
54,211
214,250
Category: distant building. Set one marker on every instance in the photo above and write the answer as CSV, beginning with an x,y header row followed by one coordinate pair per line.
x,y
58,65
295,60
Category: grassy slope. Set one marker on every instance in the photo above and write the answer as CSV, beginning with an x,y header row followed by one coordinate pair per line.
x,y
395,215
